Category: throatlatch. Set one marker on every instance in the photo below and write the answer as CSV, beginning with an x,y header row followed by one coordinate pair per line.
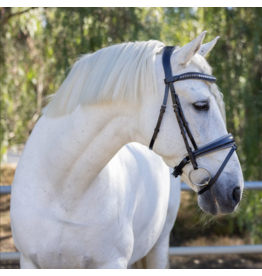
x,y
226,141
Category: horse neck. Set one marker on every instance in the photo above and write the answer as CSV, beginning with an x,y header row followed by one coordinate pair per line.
x,y
87,140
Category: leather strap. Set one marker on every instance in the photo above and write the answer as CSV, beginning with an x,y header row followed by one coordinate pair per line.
x,y
160,117
214,179
168,71
176,105
223,142
177,109
166,57
191,75
178,170
185,123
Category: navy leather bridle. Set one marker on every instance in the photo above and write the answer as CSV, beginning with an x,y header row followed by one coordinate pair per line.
x,y
226,141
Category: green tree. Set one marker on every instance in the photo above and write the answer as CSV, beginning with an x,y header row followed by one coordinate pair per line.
x,y
38,45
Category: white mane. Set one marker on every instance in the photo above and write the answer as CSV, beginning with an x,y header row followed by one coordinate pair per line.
x,y
117,73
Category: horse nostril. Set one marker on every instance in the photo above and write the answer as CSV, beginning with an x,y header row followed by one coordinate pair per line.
x,y
236,195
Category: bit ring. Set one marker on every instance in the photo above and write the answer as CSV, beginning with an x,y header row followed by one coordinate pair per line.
x,y
197,184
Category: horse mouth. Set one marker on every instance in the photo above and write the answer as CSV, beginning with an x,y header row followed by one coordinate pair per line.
x,y
208,201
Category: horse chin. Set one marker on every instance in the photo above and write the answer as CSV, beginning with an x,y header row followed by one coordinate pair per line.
x,y
208,204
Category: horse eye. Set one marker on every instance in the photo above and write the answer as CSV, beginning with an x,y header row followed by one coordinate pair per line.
x,y
201,106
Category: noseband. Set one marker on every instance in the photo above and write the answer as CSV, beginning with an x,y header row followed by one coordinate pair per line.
x,y
226,141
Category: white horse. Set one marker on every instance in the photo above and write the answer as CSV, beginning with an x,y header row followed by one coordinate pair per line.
x,y
73,207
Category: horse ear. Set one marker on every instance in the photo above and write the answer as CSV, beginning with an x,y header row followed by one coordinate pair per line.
x,y
187,52
206,48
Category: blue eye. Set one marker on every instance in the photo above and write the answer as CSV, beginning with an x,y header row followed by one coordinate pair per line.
x,y
201,106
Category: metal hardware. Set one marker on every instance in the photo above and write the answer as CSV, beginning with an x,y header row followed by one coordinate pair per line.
x,y
197,184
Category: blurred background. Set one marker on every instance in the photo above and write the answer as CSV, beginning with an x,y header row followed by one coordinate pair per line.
x,y
38,46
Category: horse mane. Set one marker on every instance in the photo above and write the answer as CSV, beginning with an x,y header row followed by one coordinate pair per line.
x,y
102,77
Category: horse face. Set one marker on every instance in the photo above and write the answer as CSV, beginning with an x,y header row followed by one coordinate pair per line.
x,y
206,124
199,101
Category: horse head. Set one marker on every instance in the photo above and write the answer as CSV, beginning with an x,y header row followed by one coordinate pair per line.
x,y
200,118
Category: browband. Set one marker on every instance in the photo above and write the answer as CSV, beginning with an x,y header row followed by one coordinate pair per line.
x,y
191,75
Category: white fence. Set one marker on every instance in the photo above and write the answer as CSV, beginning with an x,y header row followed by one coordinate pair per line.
x,y
175,251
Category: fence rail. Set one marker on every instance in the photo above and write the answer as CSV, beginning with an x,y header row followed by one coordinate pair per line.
x,y
210,250
10,256
4,190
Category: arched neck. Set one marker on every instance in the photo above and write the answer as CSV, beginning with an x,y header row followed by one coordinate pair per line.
x,y
84,142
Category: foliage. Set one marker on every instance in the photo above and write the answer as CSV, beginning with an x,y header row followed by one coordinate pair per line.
x,y
246,222
249,219
38,45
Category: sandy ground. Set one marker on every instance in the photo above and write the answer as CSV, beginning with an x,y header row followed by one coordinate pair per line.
x,y
176,262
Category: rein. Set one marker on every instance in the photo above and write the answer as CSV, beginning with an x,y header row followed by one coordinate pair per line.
x,y
226,141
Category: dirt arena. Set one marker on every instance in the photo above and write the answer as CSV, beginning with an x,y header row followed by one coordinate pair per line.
x,y
176,262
